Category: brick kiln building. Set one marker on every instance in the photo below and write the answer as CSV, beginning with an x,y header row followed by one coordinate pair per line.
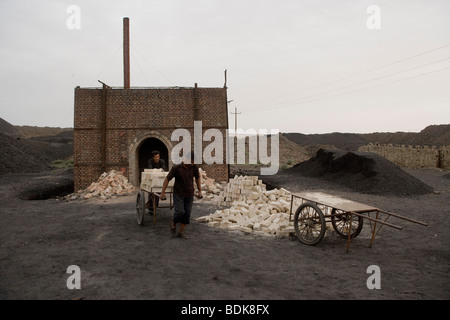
x,y
118,128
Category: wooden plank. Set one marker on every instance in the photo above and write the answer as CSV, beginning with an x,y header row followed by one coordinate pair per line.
x,y
334,201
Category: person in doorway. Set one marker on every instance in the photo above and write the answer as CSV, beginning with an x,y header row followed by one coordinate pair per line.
x,y
183,193
155,162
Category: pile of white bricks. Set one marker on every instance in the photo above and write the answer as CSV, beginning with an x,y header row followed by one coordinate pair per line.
x,y
109,185
238,189
254,209
210,188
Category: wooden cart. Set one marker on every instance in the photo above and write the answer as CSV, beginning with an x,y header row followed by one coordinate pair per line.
x,y
152,195
346,217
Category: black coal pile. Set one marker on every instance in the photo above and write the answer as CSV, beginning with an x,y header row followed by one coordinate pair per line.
x,y
46,185
364,172
22,155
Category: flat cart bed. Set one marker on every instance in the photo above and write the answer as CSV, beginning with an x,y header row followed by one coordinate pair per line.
x,y
334,201
153,195
346,217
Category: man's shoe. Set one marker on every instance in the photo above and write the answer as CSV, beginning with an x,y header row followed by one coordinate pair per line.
x,y
182,235
173,230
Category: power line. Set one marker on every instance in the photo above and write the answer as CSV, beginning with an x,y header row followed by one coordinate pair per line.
x,y
358,90
358,84
106,65
352,76
156,69
65,117
139,66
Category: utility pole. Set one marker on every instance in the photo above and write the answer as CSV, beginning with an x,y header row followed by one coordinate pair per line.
x,y
235,118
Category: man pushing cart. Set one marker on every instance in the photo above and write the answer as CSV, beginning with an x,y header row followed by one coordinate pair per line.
x,y
179,184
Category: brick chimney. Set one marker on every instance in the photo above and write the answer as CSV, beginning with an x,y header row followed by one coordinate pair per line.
x,y
126,53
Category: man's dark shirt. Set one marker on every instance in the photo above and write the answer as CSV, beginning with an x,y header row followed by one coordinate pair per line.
x,y
157,165
184,179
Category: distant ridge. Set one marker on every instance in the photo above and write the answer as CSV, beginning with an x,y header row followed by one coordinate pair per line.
x,y
433,135
31,131
9,130
32,149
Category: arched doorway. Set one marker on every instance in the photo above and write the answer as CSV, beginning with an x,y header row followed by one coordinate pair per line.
x,y
140,151
145,152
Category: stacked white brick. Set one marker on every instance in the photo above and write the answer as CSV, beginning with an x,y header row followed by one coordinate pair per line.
x,y
238,189
253,208
152,180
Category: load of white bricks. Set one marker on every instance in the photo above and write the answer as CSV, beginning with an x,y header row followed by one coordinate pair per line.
x,y
109,185
253,208
152,180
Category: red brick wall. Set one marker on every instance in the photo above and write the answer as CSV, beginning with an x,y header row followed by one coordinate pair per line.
x,y
135,113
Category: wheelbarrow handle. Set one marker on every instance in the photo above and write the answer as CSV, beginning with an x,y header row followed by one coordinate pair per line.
x,y
164,198
159,196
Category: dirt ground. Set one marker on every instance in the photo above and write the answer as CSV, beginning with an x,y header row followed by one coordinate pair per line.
x,y
119,259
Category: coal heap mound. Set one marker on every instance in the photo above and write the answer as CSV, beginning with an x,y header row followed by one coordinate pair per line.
x,y
46,185
25,155
364,172
20,156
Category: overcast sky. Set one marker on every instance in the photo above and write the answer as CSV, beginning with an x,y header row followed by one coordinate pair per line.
x,y
309,66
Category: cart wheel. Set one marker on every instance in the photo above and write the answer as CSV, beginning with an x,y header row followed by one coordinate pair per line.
x,y
341,224
309,224
140,207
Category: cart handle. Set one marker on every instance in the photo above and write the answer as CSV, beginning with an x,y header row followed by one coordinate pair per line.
x,y
159,196
376,220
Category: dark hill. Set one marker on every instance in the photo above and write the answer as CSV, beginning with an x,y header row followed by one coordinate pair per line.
x,y
9,129
361,171
345,141
19,154
433,135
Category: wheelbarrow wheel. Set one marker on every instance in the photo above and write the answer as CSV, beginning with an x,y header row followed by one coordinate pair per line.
x,y
309,224
140,207
341,223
